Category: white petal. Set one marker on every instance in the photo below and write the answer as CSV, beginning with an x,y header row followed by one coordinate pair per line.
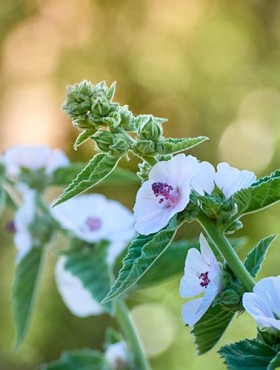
x,y
117,354
205,249
56,159
114,250
77,299
269,289
189,310
230,179
203,179
23,243
153,222
257,307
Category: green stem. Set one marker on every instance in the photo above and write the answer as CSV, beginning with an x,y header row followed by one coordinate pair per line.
x,y
218,238
127,326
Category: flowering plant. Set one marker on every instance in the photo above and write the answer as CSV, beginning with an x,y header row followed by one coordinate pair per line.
x,y
175,189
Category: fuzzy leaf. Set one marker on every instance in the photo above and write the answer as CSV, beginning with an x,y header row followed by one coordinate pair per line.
x,y
26,281
263,193
248,355
255,258
83,136
90,266
142,253
211,327
120,176
84,359
99,167
274,363
172,145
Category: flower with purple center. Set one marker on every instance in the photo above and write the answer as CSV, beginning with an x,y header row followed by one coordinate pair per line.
x,y
33,158
202,275
166,193
117,355
264,303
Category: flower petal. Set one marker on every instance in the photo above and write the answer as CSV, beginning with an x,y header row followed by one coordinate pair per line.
x,y
203,179
76,298
189,310
269,289
257,307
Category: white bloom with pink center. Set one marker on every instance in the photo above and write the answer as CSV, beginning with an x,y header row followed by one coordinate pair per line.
x,y
75,296
34,158
24,216
202,275
93,217
264,303
230,180
166,193
117,355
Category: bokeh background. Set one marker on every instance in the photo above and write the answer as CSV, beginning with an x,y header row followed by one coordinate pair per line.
x,y
212,67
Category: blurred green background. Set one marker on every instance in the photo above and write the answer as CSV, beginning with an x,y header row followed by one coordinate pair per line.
x,y
212,67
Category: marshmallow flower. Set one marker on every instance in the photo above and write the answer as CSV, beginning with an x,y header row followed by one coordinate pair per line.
x,y
264,303
202,275
24,217
32,158
117,355
166,193
228,179
91,218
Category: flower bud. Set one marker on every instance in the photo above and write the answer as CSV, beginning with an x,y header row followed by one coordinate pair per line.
x,y
145,147
144,170
120,145
100,107
127,119
150,128
104,140
230,299
78,99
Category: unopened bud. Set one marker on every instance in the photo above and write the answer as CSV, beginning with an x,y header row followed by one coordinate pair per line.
x,y
150,128
127,119
145,147
120,145
104,140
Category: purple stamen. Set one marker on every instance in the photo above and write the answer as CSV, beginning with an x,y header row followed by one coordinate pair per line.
x,y
205,280
93,223
163,189
11,227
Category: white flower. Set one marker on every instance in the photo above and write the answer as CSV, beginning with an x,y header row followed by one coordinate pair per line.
x,y
230,179
166,193
24,216
92,218
33,158
117,355
75,296
202,275
264,303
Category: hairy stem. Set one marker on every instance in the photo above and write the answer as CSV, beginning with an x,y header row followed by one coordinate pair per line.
x,y
129,330
220,241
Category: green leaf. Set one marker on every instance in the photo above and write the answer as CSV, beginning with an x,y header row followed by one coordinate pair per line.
x,y
248,355
170,263
90,266
2,198
83,136
84,359
120,176
211,327
142,253
255,258
26,281
172,145
99,167
275,362
263,193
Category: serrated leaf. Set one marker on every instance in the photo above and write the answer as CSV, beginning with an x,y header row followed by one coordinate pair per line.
x,y
83,136
263,193
274,363
172,145
99,167
211,327
85,359
120,176
247,355
142,253
170,263
90,266
26,281
255,258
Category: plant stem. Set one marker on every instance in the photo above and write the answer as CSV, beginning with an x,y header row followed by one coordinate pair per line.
x,y
218,238
127,326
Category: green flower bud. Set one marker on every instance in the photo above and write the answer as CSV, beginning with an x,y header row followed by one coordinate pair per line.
x,y
150,128
230,299
145,147
78,99
112,120
104,140
144,170
127,119
100,107
121,145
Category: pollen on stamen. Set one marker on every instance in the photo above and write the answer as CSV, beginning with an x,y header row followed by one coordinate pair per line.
x,y
163,189
93,223
205,280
